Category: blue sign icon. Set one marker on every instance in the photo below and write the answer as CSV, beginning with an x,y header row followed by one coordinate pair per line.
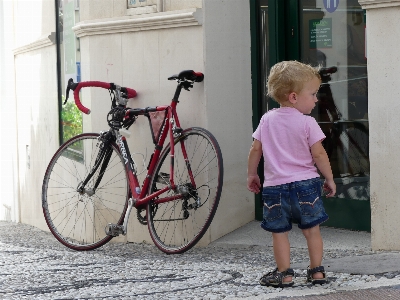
x,y
331,5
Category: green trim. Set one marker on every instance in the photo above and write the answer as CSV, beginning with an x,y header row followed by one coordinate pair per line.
x,y
276,22
59,84
255,58
292,30
348,213
276,31
255,79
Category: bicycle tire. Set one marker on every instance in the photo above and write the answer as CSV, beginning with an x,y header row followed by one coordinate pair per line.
x,y
174,226
78,220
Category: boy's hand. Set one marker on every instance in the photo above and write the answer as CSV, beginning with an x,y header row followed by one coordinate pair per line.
x,y
253,183
330,188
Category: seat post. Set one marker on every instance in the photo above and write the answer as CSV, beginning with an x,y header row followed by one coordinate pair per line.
x,y
177,92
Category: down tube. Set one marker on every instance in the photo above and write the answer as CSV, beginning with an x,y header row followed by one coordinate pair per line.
x,y
130,170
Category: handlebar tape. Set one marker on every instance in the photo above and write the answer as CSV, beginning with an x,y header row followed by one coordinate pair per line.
x,y
130,92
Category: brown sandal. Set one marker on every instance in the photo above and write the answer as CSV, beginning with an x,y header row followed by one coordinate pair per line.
x,y
311,272
275,278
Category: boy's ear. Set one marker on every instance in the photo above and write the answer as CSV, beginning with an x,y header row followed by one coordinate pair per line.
x,y
293,97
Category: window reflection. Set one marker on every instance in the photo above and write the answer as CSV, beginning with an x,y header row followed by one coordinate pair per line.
x,y
266,102
336,38
70,66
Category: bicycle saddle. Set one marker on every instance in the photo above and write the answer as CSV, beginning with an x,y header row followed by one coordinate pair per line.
x,y
188,75
325,73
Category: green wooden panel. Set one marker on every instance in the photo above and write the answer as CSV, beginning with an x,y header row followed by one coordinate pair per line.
x,y
348,213
292,30
276,23
255,79
255,54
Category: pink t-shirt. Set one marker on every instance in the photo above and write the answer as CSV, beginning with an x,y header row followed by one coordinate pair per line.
x,y
286,136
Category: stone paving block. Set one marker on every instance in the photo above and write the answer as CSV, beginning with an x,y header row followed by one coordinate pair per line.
x,y
379,263
34,265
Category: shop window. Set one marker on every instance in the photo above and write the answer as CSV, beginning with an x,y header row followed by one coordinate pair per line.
x,y
136,7
69,66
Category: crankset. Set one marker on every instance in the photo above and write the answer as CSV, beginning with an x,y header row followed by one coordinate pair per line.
x,y
142,215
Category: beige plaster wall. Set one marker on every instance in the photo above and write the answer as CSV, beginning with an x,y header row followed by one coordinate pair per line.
x,y
383,33
229,105
181,4
102,9
48,16
36,103
143,60
32,19
37,125
9,204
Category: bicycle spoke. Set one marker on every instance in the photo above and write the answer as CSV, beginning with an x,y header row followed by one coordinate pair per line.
x,y
78,218
177,225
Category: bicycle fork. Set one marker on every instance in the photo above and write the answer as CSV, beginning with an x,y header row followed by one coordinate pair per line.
x,y
115,229
103,156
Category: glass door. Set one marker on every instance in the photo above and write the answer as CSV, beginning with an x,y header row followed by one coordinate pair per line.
x,y
330,34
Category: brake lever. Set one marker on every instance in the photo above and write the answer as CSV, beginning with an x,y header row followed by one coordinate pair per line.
x,y
70,86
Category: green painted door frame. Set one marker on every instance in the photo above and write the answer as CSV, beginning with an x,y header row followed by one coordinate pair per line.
x,y
277,45
284,19
256,91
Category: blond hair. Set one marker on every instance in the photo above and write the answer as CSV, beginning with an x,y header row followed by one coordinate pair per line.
x,y
289,76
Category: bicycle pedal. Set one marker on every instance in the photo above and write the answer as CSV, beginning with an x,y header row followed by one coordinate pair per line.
x,y
114,230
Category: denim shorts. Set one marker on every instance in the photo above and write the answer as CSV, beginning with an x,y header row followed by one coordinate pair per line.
x,y
299,202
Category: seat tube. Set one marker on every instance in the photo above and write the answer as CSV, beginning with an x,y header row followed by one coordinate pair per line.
x,y
182,143
187,162
171,141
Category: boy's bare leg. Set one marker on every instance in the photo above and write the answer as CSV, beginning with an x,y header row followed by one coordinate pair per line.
x,y
282,252
315,248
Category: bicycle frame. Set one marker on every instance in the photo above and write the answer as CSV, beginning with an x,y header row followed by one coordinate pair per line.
x,y
140,200
122,116
92,182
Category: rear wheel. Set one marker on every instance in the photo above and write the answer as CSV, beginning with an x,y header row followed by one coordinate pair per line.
x,y
78,218
176,226
349,150
355,143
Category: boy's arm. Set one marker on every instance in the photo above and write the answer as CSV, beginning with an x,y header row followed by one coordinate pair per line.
x,y
322,161
253,181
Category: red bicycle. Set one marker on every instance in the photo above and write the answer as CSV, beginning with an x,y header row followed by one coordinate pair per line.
x,y
91,184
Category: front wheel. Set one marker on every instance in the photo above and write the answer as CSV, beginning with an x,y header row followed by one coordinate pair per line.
x,y
77,217
177,225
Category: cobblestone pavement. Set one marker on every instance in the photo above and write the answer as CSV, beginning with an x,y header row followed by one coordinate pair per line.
x,y
33,265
